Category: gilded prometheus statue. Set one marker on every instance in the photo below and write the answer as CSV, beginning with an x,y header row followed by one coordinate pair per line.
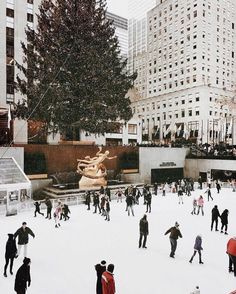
x,y
93,170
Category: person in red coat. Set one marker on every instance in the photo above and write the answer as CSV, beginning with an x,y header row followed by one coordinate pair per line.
x,y
231,250
108,282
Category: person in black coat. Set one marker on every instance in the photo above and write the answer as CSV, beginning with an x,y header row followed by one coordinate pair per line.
x,y
10,253
23,238
48,203
174,235
218,187
224,221
23,278
88,200
37,208
108,192
96,202
65,212
148,201
214,217
100,269
143,230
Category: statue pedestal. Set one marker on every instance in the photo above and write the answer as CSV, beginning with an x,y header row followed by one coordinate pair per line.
x,y
86,183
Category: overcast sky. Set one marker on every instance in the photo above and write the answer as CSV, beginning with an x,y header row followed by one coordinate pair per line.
x,y
119,7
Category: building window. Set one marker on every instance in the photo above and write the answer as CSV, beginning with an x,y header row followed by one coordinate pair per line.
x,y
10,12
30,1
30,17
197,112
182,113
132,129
190,112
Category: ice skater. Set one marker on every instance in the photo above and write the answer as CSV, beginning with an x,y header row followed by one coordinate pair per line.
x,y
23,238
208,191
96,203
197,249
218,187
107,210
180,195
194,206
100,269
119,194
10,253
143,231
57,215
23,279
130,203
148,202
174,235
231,251
196,290
214,217
37,208
65,212
48,203
108,282
200,204
224,221
88,199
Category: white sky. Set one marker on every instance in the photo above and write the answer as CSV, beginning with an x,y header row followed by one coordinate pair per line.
x,y
119,7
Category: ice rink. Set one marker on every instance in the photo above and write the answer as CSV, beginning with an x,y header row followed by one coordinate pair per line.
x,y
63,259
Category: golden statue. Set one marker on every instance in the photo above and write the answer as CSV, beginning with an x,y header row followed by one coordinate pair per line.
x,y
93,171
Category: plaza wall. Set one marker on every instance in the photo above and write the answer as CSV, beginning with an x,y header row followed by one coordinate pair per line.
x,y
158,158
194,166
63,158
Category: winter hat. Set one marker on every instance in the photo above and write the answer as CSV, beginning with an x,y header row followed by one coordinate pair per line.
x,y
110,268
26,260
103,262
176,224
24,223
10,235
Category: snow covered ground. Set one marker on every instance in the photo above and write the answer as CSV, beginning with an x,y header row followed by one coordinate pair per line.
x,y
63,259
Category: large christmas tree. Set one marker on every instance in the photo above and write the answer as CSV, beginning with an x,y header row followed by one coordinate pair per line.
x,y
74,74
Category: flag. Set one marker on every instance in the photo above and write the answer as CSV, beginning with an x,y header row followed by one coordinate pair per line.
x,y
230,125
9,118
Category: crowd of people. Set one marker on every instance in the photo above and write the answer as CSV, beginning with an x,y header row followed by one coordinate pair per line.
x,y
100,201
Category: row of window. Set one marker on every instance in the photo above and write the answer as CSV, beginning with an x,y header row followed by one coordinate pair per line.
x,y
10,13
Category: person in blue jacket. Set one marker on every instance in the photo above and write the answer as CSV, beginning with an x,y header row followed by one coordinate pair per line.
x,y
197,248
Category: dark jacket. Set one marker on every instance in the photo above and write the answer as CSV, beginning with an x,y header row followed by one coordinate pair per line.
x,y
23,235
174,233
22,277
37,205
88,198
48,203
65,209
215,213
95,199
100,269
224,217
10,247
143,226
129,200
198,243
149,198
108,206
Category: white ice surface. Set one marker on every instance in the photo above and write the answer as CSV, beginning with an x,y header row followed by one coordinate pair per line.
x,y
63,259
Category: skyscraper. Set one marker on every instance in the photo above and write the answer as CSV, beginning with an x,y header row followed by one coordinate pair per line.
x,y
190,68
14,17
121,28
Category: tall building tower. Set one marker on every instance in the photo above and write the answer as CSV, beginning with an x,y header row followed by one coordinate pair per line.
x,y
137,40
121,27
190,69
14,17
